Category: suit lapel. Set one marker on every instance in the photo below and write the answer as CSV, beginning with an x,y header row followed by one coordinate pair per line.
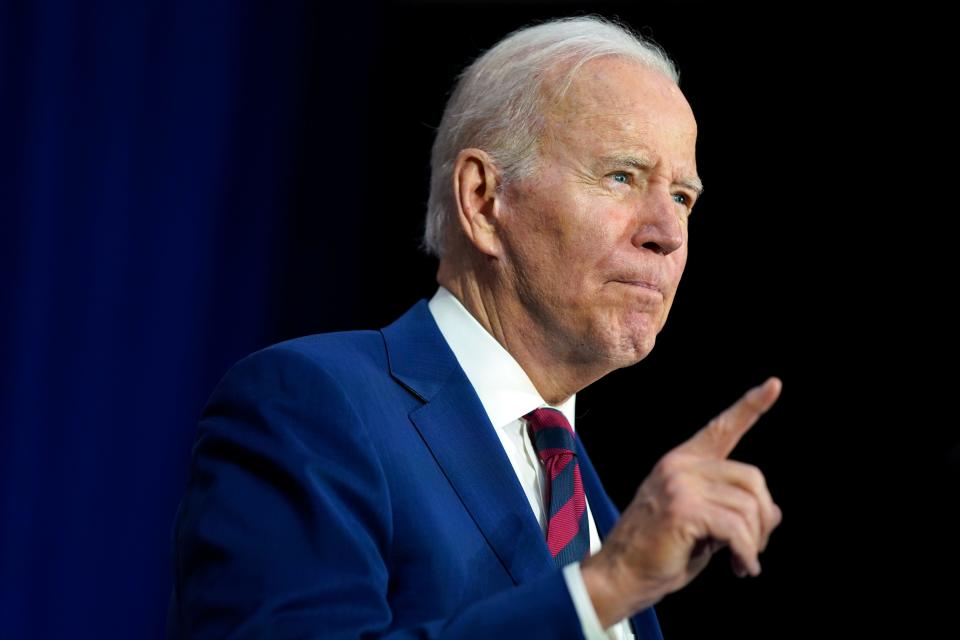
x,y
455,427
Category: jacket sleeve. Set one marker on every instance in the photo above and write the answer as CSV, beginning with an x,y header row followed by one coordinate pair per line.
x,y
285,527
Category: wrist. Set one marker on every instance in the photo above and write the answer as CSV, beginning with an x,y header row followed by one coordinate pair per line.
x,y
614,598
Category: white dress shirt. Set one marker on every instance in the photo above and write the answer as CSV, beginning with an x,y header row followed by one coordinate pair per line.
x,y
506,393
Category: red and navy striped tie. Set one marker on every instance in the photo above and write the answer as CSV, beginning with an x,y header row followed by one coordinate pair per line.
x,y
568,535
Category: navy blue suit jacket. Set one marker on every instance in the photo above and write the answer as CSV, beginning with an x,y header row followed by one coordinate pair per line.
x,y
350,485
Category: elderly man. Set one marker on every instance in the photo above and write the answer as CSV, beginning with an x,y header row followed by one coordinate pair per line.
x,y
425,480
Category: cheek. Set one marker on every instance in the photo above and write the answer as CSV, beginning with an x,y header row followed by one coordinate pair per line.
x,y
583,258
563,243
593,235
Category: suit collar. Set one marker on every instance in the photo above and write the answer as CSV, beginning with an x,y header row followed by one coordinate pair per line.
x,y
504,388
454,425
417,355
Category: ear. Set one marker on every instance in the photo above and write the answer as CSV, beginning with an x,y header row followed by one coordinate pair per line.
x,y
476,184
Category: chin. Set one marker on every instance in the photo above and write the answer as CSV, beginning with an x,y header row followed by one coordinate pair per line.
x,y
637,341
641,349
619,341
626,348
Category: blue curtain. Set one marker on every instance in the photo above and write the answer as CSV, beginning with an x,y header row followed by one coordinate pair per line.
x,y
147,172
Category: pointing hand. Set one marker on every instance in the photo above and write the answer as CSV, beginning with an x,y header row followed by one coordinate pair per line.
x,y
694,502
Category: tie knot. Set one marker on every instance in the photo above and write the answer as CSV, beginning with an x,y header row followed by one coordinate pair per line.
x,y
551,433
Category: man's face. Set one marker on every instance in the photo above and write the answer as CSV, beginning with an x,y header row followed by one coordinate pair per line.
x,y
596,239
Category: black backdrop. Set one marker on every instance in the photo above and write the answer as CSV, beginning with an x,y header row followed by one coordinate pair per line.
x,y
183,183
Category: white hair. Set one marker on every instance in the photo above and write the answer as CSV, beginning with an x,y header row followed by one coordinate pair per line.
x,y
500,101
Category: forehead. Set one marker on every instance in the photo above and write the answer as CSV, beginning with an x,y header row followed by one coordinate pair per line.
x,y
614,104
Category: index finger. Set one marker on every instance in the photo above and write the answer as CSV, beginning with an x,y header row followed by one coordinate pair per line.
x,y
721,435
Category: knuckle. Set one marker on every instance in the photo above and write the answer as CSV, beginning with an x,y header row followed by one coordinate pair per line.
x,y
671,464
679,508
746,501
756,477
773,519
750,476
680,488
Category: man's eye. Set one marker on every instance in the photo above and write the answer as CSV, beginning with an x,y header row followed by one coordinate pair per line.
x,y
621,176
681,198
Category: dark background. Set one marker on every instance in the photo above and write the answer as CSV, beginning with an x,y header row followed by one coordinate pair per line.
x,y
182,183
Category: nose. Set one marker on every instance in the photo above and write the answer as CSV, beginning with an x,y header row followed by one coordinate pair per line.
x,y
659,226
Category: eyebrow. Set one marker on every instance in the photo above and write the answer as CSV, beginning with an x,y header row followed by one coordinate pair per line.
x,y
643,163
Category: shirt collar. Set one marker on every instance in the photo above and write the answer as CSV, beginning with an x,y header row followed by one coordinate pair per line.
x,y
504,388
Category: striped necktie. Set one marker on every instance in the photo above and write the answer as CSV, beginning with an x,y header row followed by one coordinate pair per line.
x,y
568,536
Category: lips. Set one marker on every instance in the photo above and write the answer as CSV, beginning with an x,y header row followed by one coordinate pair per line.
x,y
641,283
644,284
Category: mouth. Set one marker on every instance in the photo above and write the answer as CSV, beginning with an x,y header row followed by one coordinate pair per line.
x,y
642,284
